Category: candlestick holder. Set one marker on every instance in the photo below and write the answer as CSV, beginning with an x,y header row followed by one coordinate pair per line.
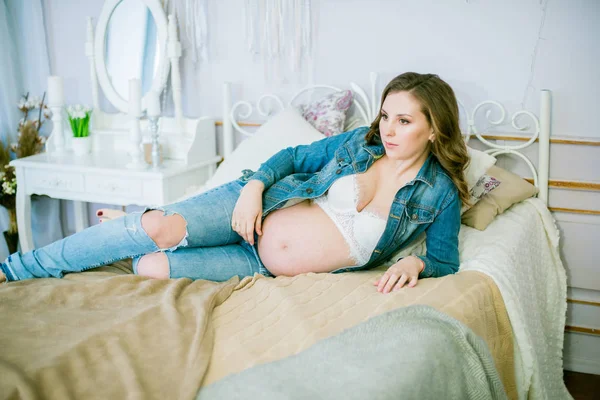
x,y
153,125
57,135
135,139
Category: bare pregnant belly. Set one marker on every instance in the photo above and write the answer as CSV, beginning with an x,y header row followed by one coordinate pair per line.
x,y
302,238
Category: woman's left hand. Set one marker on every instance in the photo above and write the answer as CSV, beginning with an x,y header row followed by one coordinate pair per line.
x,y
405,271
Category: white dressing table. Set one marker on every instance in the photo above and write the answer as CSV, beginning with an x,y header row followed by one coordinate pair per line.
x,y
100,179
106,175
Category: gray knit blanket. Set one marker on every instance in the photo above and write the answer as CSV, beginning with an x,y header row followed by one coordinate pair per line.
x,y
414,352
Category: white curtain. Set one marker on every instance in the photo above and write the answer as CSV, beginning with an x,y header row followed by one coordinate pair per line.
x,y
24,67
10,75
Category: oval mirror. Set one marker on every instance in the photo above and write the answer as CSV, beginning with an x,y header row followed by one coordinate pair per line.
x,y
137,56
130,43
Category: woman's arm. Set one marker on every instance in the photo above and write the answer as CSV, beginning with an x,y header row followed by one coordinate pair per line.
x,y
442,240
304,158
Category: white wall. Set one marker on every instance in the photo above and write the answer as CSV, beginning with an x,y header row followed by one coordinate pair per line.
x,y
483,48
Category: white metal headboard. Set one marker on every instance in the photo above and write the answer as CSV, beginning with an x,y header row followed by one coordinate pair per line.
x,y
367,107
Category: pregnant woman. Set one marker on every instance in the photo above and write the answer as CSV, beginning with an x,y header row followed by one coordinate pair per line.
x,y
343,203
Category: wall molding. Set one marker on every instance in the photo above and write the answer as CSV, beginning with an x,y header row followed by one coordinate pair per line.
x,y
587,295
588,303
574,210
556,140
571,185
582,329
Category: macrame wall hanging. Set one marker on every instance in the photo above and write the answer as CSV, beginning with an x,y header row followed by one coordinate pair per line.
x,y
192,21
280,33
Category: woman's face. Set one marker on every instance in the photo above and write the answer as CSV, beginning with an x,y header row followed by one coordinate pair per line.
x,y
404,129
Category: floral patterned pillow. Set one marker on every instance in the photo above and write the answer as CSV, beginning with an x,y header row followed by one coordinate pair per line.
x,y
485,184
328,114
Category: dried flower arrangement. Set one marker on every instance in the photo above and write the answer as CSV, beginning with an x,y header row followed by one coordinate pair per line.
x,y
29,142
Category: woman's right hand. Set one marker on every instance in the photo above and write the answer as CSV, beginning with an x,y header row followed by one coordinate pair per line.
x,y
247,214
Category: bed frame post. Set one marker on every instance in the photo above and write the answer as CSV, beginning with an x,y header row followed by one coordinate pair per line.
x,y
544,148
228,138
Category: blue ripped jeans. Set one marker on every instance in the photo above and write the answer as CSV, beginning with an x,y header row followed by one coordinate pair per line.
x,y
210,249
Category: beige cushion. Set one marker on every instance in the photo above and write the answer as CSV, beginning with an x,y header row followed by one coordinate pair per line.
x,y
512,189
479,163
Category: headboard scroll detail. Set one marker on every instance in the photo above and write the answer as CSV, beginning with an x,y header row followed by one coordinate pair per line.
x,y
367,108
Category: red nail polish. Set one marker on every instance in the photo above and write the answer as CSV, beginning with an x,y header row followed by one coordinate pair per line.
x,y
99,213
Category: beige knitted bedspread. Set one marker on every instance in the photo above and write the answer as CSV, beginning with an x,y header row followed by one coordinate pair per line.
x,y
109,334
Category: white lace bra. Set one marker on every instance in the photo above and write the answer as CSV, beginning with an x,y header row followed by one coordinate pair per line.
x,y
361,230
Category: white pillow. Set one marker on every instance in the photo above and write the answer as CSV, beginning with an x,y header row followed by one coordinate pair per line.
x,y
285,129
480,163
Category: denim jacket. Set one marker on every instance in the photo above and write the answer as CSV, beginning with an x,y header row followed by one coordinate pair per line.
x,y
430,202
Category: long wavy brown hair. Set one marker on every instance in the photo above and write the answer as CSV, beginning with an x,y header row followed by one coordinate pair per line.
x,y
439,105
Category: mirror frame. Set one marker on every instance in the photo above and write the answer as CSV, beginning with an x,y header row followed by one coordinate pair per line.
x,y
158,82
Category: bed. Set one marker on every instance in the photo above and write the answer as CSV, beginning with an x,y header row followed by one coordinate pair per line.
x,y
107,333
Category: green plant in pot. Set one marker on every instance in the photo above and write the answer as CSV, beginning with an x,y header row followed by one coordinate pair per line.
x,y
79,119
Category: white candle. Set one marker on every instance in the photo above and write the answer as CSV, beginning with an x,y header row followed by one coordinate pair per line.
x,y
135,97
153,104
56,95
